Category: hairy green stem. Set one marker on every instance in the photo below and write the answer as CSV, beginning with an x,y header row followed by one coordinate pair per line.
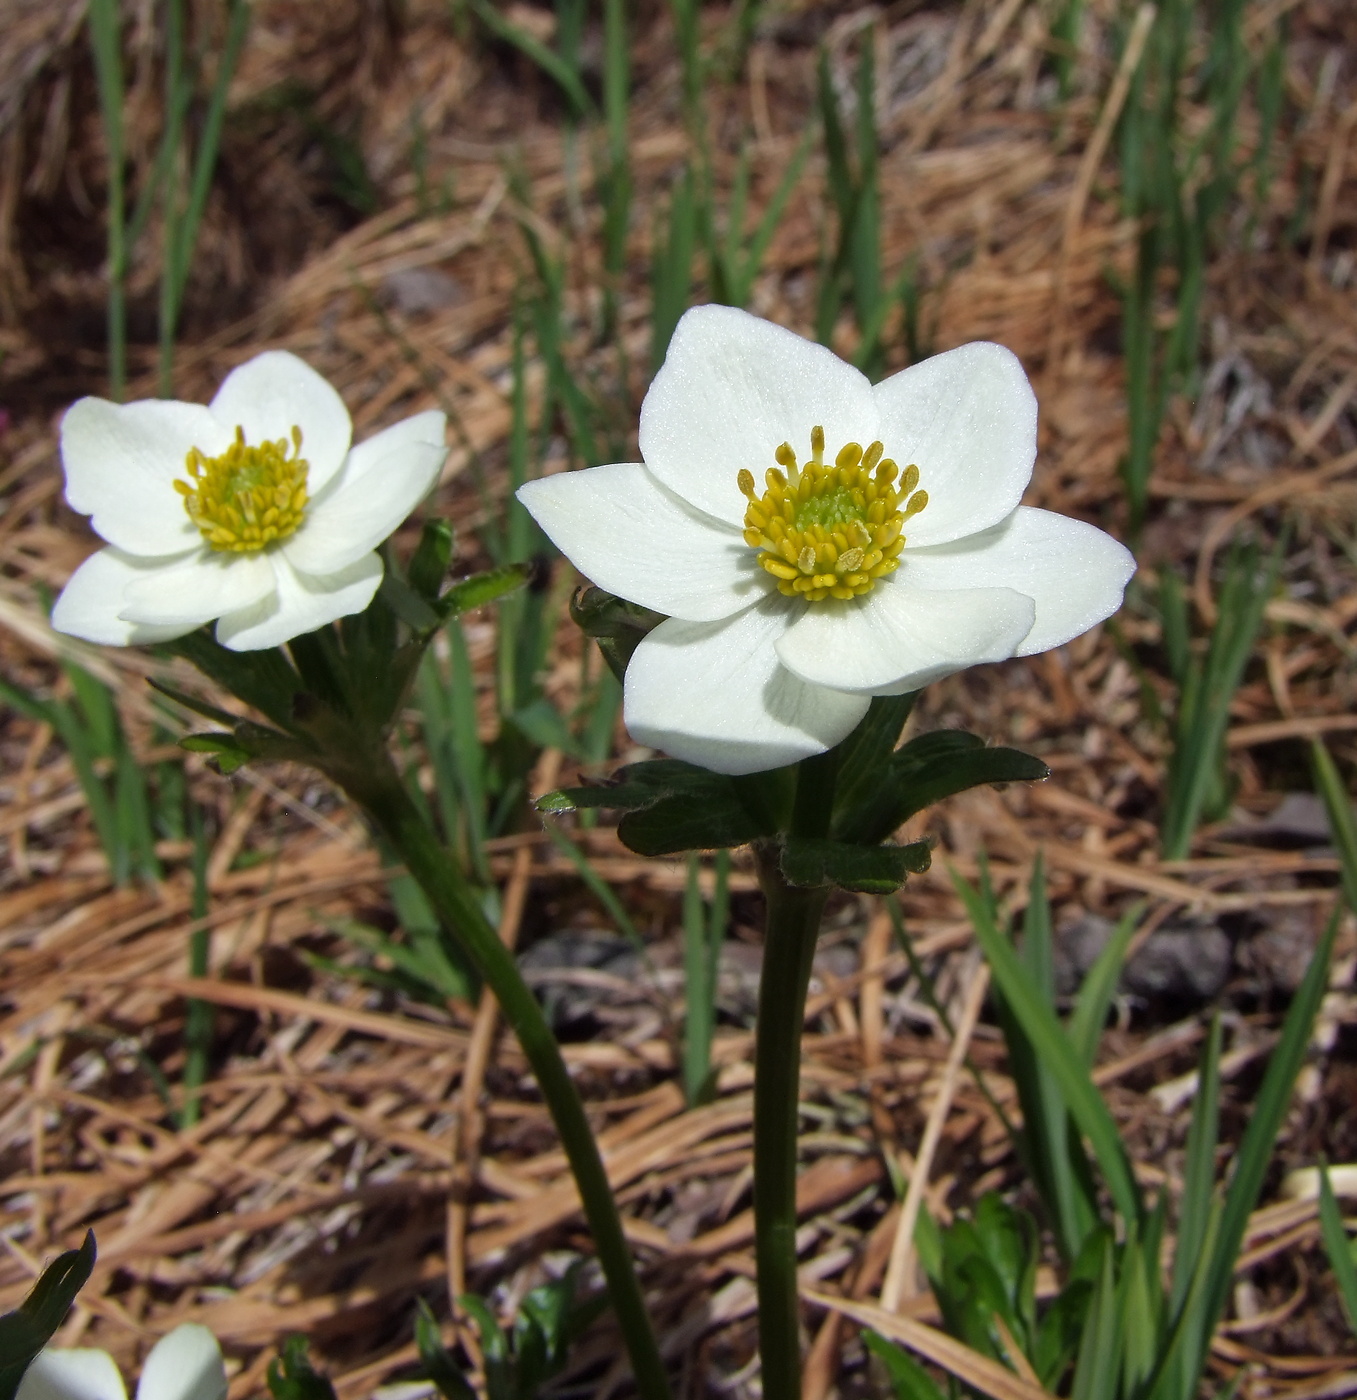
x,y
792,925
384,798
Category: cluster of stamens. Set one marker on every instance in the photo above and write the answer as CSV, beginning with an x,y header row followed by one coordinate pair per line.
x,y
831,531
249,496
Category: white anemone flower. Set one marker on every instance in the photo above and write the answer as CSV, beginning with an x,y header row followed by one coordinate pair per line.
x,y
254,511
184,1364
886,547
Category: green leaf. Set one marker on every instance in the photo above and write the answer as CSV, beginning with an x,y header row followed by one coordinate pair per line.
x,y
908,1379
483,588
1199,1171
431,559
1338,1246
228,753
808,861
198,707
670,806
867,750
24,1332
552,64
292,1377
412,609
1052,1044
927,769
438,1364
262,679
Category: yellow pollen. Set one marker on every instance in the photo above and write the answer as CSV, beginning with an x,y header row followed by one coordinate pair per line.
x,y
248,497
830,531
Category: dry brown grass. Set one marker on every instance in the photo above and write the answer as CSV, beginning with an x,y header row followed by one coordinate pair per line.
x,y
336,1170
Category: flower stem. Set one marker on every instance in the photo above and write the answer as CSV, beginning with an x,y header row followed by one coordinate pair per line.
x,y
382,795
792,924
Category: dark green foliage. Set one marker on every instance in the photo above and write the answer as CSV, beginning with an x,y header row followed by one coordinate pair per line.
x,y
292,1377
24,1332
809,862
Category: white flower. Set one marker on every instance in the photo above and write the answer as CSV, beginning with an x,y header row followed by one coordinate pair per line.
x,y
789,608
183,1365
253,510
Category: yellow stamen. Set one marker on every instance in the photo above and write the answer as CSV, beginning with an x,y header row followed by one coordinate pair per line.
x,y
830,531
245,499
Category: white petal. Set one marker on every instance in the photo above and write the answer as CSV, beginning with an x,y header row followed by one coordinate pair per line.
x,y
184,1364
731,391
713,693
968,420
301,604
384,479
77,1374
625,532
1075,573
91,602
273,393
191,591
121,462
897,638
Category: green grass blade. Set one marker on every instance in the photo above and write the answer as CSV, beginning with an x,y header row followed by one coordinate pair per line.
x,y
1338,1247
565,77
199,1015
1100,985
1199,1172
1342,824
1269,1112
1050,1041
598,886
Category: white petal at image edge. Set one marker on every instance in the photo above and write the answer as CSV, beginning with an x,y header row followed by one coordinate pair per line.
x,y
301,604
968,420
384,479
1074,572
76,1374
184,1364
731,391
629,535
713,693
275,392
91,601
191,591
121,463
897,638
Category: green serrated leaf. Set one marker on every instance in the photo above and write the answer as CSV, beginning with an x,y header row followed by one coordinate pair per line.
x,y
408,605
924,771
809,862
713,820
24,1332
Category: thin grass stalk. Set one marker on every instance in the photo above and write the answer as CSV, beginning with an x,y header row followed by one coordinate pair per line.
x,y
199,1015
179,246
106,45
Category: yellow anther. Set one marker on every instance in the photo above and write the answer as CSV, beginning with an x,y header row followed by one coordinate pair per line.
x,y
830,531
248,497
850,454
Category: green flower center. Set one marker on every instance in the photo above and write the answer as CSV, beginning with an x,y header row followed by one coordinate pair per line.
x,y
830,531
